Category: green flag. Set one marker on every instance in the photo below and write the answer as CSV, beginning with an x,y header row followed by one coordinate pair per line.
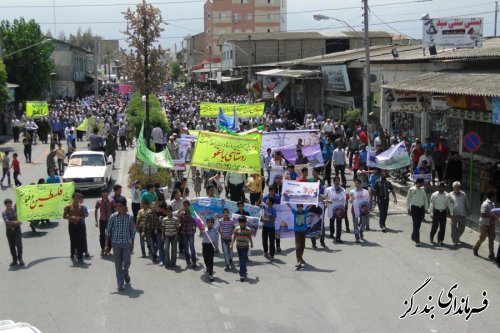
x,y
159,160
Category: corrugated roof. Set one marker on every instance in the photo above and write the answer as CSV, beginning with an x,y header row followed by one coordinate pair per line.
x,y
295,73
490,49
340,57
301,35
454,83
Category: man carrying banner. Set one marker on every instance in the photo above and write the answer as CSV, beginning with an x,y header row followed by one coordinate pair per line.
x,y
335,199
360,199
13,230
381,191
74,213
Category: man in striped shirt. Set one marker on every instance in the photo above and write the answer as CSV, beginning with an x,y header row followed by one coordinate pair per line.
x,y
120,233
243,238
169,229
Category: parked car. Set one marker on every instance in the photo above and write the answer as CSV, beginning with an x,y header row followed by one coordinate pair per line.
x,y
9,326
89,170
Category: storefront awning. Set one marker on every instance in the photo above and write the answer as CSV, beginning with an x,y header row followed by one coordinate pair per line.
x,y
341,101
227,79
292,73
451,83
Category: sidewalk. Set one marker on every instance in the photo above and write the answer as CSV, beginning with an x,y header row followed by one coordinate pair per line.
x,y
472,219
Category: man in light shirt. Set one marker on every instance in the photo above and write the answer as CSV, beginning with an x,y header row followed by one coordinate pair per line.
x,y
339,162
416,203
157,137
460,210
440,203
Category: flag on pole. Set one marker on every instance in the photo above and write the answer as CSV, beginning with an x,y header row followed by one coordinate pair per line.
x,y
159,160
230,123
393,158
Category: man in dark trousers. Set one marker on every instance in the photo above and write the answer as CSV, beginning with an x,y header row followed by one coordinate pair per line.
x,y
381,191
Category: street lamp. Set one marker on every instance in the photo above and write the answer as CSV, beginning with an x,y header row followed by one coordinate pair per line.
x,y
366,79
249,77
20,50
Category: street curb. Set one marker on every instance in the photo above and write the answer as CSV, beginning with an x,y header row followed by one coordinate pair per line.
x,y
472,224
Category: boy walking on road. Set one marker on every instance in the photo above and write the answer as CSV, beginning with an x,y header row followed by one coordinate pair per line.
x,y
243,238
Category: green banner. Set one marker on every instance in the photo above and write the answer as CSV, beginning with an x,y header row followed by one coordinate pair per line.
x,y
227,152
159,160
37,109
243,110
44,201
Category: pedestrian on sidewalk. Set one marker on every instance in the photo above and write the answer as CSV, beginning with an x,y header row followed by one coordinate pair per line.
x,y
120,233
440,205
74,213
416,203
104,208
210,241
242,236
459,212
6,168
13,231
381,192
487,224
16,167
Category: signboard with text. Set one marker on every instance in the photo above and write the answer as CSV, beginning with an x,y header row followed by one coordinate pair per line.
x,y
453,32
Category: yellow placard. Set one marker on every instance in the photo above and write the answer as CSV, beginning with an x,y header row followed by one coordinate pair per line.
x,y
37,109
243,110
227,152
43,201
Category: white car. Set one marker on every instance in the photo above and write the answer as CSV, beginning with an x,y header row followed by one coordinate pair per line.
x,y
89,170
9,326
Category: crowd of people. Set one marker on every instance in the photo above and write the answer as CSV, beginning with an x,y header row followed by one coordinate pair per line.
x,y
166,223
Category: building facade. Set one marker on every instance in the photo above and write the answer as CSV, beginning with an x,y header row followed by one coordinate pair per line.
x,y
241,16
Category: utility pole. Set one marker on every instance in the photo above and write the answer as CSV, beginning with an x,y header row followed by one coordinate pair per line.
x,y
96,67
250,66
1,46
496,17
146,82
366,81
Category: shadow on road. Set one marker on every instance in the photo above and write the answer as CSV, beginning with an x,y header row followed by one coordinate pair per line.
x,y
50,225
365,243
393,231
84,264
217,280
129,291
31,234
41,260
311,268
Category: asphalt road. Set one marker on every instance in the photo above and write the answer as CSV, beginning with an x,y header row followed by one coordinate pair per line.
x,y
343,288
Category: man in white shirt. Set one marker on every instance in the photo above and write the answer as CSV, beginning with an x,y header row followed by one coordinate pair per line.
x,y
235,183
16,129
31,127
339,162
328,126
157,137
335,198
361,205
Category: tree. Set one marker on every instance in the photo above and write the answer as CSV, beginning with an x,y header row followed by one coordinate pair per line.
x,y
352,116
136,113
31,67
4,95
175,70
143,31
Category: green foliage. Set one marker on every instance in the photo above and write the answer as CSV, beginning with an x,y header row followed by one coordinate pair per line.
x,y
352,116
29,68
136,113
175,70
4,96
135,172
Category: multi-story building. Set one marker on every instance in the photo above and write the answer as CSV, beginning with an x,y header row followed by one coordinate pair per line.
x,y
241,16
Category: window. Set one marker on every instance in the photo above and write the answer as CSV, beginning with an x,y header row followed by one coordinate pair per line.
x,y
209,15
270,16
230,54
248,16
269,30
209,31
248,30
221,16
237,17
237,31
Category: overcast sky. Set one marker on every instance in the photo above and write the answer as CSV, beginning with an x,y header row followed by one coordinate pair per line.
x,y
186,16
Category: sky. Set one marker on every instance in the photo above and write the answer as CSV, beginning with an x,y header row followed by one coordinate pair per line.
x,y
185,17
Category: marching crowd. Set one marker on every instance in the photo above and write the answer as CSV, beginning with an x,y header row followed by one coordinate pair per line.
x,y
167,223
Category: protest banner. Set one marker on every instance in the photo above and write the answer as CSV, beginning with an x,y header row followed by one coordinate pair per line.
x,y
43,201
36,109
227,152
295,192
393,158
212,207
252,223
242,110
278,139
361,202
160,160
312,152
427,177
125,89
284,222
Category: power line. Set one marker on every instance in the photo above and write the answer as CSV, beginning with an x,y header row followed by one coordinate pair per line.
x,y
102,5
399,32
